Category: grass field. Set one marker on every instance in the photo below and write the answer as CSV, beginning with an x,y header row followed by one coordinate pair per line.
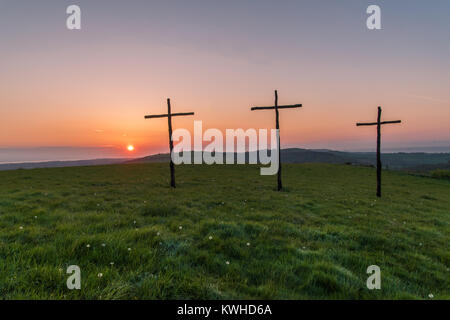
x,y
315,240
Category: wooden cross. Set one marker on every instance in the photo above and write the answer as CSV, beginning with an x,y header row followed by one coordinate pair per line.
x,y
169,116
379,123
277,124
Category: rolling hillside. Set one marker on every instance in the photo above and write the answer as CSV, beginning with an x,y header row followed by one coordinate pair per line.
x,y
224,233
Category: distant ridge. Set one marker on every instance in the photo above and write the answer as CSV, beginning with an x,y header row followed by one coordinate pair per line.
x,y
396,161
293,155
59,164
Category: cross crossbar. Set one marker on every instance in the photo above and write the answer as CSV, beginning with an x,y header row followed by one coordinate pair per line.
x,y
279,107
376,123
172,115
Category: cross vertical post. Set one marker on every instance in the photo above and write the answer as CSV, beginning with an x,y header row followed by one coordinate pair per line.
x,y
277,126
276,107
379,123
379,153
172,166
169,116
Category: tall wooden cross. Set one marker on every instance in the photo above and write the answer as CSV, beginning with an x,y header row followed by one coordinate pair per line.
x,y
379,123
169,116
277,125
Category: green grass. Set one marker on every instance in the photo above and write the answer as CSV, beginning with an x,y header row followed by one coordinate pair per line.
x,y
314,240
441,174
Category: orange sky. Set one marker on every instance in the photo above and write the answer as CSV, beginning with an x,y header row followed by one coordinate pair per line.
x,y
93,87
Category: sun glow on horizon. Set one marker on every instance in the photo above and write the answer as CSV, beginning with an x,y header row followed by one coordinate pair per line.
x,y
130,148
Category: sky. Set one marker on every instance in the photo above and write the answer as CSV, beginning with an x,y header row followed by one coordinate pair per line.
x,y
84,93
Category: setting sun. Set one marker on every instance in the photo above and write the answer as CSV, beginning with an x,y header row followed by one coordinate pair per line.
x,y
130,148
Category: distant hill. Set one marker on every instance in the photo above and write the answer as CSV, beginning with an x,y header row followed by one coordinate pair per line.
x,y
428,167
403,160
57,164
395,161
419,162
293,155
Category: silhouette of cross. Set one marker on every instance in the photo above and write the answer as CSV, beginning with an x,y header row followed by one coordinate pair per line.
x,y
169,116
277,125
379,123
